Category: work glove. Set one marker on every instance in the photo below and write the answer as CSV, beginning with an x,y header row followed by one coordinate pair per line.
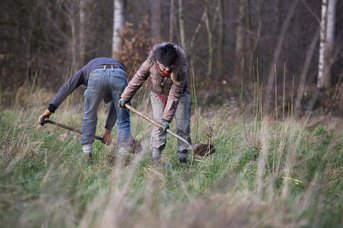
x,y
122,103
107,137
41,119
165,125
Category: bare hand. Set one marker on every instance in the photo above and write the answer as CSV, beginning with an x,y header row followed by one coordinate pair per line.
x,y
107,137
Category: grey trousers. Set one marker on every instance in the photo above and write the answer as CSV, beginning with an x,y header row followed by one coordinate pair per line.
x,y
182,118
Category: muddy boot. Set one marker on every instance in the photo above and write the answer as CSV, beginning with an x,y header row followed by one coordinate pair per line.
x,y
183,155
137,146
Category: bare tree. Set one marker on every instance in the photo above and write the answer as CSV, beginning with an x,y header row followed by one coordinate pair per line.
x,y
209,39
254,33
83,25
240,40
171,20
271,75
181,24
327,33
302,82
118,22
70,13
220,39
155,20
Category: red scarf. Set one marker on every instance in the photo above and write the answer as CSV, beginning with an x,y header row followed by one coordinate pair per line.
x,y
162,73
163,98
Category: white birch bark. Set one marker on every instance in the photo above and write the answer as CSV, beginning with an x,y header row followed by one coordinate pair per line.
x,y
326,43
82,36
118,21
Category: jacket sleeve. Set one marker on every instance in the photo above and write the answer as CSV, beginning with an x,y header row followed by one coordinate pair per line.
x,y
175,93
136,82
67,88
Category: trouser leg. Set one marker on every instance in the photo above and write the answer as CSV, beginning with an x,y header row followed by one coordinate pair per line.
x,y
182,118
118,82
93,96
158,137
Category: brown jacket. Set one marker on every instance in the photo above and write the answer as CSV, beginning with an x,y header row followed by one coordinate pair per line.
x,y
173,86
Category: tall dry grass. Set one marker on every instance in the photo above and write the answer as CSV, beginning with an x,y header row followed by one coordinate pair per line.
x,y
265,173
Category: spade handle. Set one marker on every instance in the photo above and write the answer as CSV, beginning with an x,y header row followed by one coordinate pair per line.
x,y
157,124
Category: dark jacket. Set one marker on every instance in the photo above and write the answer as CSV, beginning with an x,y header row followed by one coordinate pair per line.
x,y
81,78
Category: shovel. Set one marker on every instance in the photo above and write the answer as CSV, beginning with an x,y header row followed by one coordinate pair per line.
x,y
198,149
70,128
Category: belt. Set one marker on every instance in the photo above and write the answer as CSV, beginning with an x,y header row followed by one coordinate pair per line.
x,y
107,66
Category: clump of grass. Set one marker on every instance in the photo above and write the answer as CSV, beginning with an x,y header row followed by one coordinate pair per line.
x,y
263,174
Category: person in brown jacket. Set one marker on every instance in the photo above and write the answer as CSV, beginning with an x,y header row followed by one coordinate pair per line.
x,y
167,69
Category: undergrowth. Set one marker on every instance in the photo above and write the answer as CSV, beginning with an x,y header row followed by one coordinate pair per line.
x,y
267,174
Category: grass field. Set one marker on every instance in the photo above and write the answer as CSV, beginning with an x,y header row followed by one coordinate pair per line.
x,y
264,174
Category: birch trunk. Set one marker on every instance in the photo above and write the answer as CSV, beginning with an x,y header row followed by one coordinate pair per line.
x,y
82,36
326,43
118,21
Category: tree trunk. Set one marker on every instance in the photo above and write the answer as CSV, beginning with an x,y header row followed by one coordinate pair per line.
x,y
181,25
118,21
326,43
240,41
155,20
73,40
303,75
83,25
253,38
209,39
220,40
271,75
171,20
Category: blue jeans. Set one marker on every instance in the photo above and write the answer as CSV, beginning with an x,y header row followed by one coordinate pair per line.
x,y
103,83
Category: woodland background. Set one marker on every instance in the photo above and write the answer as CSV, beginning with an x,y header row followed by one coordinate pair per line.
x,y
251,62
283,53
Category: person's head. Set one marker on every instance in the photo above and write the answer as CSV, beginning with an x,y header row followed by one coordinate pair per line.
x,y
166,57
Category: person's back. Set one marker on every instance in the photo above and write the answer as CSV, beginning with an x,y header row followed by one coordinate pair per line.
x,y
105,79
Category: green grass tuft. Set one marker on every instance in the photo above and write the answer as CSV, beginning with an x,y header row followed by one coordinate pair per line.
x,y
263,174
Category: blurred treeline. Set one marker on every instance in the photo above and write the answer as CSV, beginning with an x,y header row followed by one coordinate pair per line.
x,y
268,49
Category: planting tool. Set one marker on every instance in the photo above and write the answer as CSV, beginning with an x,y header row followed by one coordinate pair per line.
x,y
70,128
198,149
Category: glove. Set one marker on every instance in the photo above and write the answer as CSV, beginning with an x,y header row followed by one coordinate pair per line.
x,y
41,119
165,125
122,103
107,138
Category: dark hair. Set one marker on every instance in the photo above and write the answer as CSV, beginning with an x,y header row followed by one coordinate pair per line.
x,y
166,54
